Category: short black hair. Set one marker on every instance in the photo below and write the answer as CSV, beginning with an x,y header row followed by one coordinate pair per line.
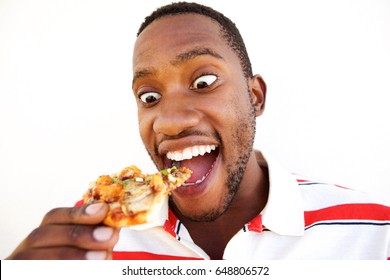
x,y
229,31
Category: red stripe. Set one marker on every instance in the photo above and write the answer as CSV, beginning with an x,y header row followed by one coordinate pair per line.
x,y
343,187
348,212
256,224
303,180
170,224
311,181
147,256
79,203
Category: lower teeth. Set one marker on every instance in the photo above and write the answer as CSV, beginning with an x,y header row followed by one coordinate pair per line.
x,y
178,164
197,182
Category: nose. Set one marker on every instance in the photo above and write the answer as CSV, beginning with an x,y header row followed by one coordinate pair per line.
x,y
175,117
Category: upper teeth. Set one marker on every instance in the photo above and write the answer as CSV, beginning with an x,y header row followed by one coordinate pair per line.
x,y
190,152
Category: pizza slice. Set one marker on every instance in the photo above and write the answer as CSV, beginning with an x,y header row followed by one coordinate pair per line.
x,y
135,198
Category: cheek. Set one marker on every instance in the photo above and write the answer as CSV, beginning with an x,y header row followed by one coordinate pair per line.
x,y
239,125
145,125
233,111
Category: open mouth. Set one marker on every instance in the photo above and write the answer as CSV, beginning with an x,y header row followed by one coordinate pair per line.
x,y
199,159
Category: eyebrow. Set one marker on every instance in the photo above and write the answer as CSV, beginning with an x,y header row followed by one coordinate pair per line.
x,y
191,54
179,59
144,72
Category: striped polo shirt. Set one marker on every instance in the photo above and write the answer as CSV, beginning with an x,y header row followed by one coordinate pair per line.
x,y
303,219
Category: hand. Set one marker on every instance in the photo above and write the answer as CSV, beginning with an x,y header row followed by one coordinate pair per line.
x,y
70,233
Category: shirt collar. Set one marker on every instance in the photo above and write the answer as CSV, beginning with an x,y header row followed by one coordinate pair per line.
x,y
283,213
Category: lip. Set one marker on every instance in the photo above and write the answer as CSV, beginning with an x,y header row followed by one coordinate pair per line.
x,y
197,190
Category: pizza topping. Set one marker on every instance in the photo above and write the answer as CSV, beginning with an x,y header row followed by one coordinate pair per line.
x,y
137,203
200,159
129,173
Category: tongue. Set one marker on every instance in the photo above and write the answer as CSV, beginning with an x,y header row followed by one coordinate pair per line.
x,y
200,166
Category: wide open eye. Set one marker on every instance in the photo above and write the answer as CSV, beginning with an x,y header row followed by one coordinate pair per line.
x,y
149,97
204,81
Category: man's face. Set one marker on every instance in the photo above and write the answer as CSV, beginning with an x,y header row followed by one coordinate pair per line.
x,y
194,110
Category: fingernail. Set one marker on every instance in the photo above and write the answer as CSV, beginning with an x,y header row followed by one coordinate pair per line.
x,y
103,233
96,255
93,208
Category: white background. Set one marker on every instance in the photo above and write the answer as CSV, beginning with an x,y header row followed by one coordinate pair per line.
x,y
67,112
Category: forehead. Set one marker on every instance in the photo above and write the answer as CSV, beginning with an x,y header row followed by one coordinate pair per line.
x,y
171,35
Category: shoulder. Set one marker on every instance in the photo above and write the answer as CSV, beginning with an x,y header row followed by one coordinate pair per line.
x,y
337,200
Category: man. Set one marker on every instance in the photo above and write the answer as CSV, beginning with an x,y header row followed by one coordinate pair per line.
x,y
196,94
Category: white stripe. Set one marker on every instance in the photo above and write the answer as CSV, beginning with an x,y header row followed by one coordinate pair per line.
x,y
323,195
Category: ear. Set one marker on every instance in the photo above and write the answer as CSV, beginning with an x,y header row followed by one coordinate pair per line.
x,y
258,90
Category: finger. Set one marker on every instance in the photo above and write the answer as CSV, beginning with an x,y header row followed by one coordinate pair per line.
x,y
61,253
86,214
81,236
